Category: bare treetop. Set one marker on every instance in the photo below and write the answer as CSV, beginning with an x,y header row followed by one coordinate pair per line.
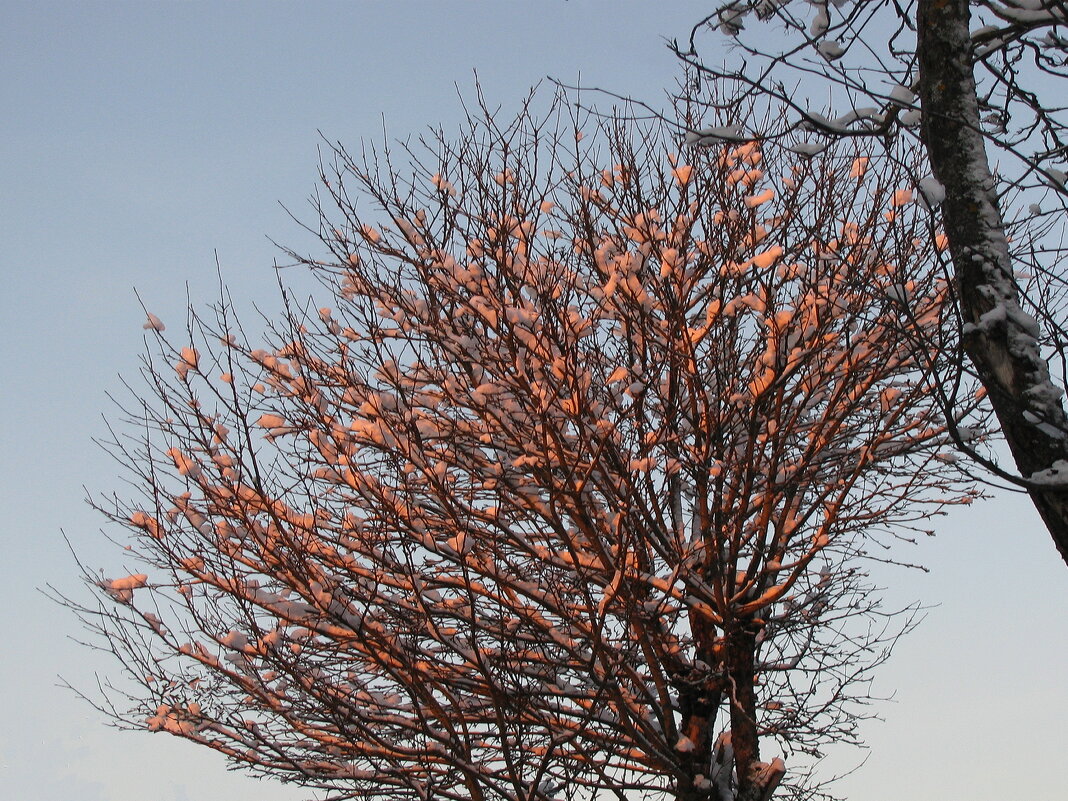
x,y
567,491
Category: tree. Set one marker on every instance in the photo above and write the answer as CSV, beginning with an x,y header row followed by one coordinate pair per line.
x,y
569,492
960,77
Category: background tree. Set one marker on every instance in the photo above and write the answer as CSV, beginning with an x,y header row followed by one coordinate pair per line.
x,y
567,493
958,76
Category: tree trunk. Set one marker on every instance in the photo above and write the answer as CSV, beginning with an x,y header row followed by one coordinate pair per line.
x,y
699,703
741,670
734,658
1000,338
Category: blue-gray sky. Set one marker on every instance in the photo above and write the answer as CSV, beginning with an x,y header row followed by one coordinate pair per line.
x,y
139,139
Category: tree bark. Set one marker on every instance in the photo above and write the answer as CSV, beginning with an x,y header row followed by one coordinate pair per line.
x,y
999,337
734,658
741,671
699,703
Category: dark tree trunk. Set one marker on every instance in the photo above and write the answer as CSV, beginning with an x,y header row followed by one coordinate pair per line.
x,y
741,648
699,702
732,658
1000,340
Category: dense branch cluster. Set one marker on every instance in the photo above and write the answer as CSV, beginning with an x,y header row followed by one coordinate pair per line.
x,y
961,78
567,492
853,69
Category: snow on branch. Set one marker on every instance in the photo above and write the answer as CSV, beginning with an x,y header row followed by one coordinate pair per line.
x,y
561,487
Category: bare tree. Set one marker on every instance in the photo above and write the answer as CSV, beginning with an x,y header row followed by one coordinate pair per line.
x,y
961,77
567,494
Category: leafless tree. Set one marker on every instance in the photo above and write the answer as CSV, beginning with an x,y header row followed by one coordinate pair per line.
x,y
567,494
961,77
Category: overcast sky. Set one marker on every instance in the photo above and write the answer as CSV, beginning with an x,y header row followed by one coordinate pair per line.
x,y
141,139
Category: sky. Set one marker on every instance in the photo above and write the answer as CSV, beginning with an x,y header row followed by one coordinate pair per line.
x,y
143,143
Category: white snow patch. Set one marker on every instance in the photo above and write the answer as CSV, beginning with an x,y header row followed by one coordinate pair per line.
x,y
121,589
830,49
932,190
1056,475
902,95
685,745
820,23
808,149
911,118
710,136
